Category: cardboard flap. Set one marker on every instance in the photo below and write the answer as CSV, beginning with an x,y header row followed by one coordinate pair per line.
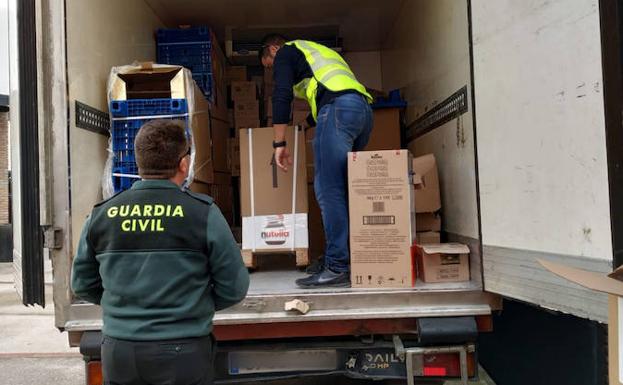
x,y
445,248
589,279
424,164
418,181
427,194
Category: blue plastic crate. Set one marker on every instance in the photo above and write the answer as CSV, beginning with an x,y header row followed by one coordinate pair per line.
x,y
203,50
147,107
195,57
204,82
179,35
124,162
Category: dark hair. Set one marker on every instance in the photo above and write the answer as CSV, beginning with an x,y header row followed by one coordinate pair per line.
x,y
159,146
267,41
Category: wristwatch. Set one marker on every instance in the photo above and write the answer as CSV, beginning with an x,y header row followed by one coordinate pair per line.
x,y
279,144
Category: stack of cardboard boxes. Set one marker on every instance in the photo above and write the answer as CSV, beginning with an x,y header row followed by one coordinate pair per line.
x,y
386,189
427,199
219,187
246,105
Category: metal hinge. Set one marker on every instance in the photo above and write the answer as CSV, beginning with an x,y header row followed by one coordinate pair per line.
x,y
52,237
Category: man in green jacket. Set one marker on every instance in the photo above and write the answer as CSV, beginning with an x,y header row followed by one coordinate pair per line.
x,y
160,261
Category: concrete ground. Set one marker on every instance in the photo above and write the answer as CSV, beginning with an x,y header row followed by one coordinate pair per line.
x,y
33,351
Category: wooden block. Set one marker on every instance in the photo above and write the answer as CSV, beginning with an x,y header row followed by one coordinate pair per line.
x,y
250,259
302,257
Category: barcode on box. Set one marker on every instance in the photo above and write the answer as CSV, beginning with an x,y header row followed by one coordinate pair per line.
x,y
379,220
378,207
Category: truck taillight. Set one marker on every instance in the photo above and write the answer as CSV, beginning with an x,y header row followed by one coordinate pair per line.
x,y
447,365
94,373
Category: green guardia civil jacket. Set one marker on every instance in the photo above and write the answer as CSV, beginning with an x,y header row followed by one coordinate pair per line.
x,y
160,261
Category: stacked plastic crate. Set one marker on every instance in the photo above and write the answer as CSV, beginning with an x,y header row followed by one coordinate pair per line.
x,y
127,118
191,48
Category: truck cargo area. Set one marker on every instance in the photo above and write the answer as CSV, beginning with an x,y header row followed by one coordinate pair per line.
x,y
403,46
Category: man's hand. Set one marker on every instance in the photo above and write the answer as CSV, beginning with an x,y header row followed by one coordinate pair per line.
x,y
283,158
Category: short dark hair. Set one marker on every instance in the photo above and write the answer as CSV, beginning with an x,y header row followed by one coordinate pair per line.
x,y
268,40
159,146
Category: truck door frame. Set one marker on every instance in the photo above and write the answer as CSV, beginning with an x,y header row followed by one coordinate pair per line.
x,y
610,14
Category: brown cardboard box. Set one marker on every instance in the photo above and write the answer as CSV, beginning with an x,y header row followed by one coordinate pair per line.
x,y
428,237
168,81
269,194
428,222
268,76
236,74
220,135
219,82
234,155
268,107
299,116
386,130
309,152
221,191
300,105
382,218
316,229
446,262
259,82
246,114
243,91
427,198
611,284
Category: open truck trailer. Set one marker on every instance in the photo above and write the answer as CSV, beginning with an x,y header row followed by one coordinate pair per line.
x,y
519,102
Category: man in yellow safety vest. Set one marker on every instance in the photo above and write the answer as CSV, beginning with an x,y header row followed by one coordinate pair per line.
x,y
340,110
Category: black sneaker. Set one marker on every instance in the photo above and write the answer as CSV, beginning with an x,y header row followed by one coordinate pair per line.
x,y
326,278
316,266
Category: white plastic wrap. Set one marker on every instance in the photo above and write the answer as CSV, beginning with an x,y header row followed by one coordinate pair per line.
x,y
188,95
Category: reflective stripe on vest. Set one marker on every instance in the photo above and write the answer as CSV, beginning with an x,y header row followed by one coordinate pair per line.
x,y
329,69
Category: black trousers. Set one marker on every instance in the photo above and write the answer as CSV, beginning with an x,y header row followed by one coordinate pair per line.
x,y
188,361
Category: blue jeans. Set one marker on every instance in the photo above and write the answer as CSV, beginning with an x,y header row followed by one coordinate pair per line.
x,y
341,126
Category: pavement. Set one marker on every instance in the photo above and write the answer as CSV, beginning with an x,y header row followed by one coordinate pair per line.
x,y
33,351
31,348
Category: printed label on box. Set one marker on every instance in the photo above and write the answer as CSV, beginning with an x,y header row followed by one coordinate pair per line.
x,y
282,231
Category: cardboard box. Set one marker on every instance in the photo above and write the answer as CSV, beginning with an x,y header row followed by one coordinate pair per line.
x,y
428,237
446,262
219,82
234,155
268,76
427,197
309,152
428,222
243,91
259,82
221,191
382,218
273,203
247,114
168,81
236,74
220,134
316,228
300,105
268,107
385,133
611,284
299,116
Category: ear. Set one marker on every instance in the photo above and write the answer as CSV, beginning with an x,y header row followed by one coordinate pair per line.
x,y
184,165
273,49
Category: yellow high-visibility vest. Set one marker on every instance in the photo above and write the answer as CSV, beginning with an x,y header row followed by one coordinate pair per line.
x,y
329,69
